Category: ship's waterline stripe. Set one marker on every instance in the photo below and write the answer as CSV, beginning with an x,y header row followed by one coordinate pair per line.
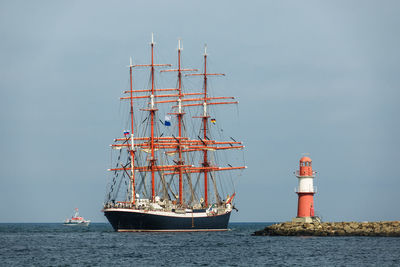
x,y
182,230
167,214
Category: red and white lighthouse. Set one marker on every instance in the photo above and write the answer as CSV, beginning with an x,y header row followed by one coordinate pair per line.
x,y
305,191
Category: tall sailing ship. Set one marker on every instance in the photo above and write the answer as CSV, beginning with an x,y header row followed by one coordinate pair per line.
x,y
168,174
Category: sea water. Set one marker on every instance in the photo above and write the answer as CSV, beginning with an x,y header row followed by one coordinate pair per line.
x,y
99,245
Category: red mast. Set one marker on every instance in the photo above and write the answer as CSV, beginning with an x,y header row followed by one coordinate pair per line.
x,y
132,151
152,111
179,115
205,117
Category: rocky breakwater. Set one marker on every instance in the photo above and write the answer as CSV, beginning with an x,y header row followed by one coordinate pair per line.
x,y
388,228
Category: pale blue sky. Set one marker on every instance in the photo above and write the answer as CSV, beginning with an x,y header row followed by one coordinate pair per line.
x,y
311,76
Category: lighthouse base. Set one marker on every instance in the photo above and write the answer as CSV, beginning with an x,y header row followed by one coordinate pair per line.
x,y
306,219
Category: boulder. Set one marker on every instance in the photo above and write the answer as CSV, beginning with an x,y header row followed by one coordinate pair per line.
x,y
391,228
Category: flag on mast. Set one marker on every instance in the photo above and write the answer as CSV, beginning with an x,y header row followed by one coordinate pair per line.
x,y
213,121
167,121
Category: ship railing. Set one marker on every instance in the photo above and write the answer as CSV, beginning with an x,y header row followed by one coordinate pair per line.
x,y
118,205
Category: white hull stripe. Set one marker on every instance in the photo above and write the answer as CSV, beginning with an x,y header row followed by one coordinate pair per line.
x,y
165,213
177,230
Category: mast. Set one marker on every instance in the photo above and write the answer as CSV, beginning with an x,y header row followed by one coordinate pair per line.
x,y
132,150
153,168
152,110
179,116
205,117
152,113
207,143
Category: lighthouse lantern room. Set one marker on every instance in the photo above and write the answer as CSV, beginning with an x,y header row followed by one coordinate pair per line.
x,y
305,192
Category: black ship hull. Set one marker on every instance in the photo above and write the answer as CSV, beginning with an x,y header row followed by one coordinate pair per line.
x,y
132,221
